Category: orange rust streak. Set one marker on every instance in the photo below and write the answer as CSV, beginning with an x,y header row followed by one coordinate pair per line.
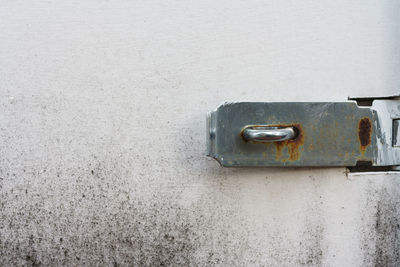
x,y
364,134
279,146
292,145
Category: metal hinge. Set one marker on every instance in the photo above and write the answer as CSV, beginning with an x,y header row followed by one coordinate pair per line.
x,y
306,133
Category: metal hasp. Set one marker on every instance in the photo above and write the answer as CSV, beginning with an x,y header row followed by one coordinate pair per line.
x,y
306,134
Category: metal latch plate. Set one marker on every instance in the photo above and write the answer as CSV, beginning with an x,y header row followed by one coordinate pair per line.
x,y
329,134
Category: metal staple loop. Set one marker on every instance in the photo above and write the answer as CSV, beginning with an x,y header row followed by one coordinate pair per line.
x,y
268,133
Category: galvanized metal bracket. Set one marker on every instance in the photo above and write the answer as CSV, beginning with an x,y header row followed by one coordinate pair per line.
x,y
326,133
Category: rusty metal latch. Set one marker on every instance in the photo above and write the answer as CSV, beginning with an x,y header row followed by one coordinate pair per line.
x,y
305,133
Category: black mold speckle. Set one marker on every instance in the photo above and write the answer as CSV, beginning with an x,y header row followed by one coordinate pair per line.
x,y
387,249
312,242
381,242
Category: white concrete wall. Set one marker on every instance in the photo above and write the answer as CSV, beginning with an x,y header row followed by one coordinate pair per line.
x,y
102,131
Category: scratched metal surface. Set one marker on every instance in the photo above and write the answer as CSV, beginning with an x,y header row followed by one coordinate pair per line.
x,y
330,134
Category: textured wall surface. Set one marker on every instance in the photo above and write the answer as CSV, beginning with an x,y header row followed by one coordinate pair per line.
x,y
102,131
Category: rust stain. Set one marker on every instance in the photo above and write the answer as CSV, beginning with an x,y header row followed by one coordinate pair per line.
x,y
292,145
279,146
364,133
